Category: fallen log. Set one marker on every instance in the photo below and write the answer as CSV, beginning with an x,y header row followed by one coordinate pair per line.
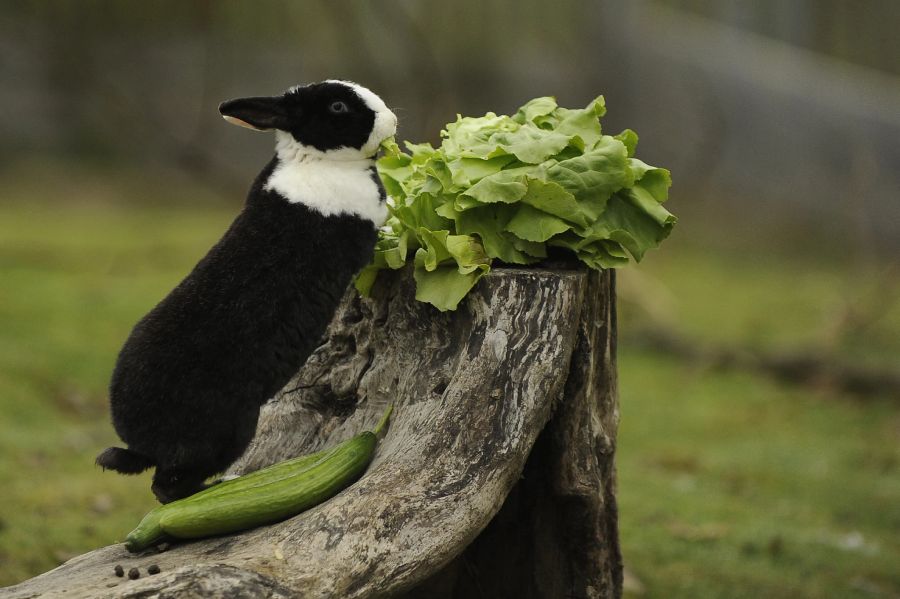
x,y
495,477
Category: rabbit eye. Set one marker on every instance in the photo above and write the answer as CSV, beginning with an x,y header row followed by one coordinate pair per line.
x,y
338,107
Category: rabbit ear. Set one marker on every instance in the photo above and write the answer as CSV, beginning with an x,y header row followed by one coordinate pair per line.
x,y
260,113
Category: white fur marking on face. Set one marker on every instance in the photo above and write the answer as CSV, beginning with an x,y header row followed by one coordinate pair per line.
x,y
327,185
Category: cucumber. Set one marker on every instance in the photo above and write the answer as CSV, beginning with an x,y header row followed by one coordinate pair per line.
x,y
276,500
261,476
149,532
267,495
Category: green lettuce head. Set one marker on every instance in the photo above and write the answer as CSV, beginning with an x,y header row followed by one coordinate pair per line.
x,y
507,188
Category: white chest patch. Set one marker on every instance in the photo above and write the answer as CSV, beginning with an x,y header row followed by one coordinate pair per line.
x,y
330,187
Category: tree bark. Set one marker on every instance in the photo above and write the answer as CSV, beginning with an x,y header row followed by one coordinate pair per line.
x,y
452,506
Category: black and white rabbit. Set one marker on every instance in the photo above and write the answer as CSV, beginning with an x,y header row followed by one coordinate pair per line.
x,y
190,380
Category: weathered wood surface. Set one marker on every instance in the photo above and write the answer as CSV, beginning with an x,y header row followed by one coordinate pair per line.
x,y
473,390
557,532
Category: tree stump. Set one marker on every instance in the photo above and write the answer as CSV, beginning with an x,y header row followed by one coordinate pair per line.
x,y
495,477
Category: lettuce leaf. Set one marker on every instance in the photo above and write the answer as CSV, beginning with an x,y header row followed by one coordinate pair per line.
x,y
508,187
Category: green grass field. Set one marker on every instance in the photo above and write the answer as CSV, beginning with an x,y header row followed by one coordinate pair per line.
x,y
730,485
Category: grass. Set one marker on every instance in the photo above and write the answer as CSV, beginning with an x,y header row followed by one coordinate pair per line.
x,y
729,484
75,279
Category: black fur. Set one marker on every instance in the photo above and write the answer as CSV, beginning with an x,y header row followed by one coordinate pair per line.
x,y
190,380
373,173
124,460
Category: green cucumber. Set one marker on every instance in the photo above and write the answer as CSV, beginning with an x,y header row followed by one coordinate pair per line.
x,y
276,500
269,494
262,476
148,532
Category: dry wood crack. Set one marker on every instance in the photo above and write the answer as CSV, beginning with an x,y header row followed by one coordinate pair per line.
x,y
495,478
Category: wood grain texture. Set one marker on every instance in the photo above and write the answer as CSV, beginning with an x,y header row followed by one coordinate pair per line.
x,y
557,532
444,499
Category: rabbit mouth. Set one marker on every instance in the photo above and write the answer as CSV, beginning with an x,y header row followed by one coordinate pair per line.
x,y
240,123
384,127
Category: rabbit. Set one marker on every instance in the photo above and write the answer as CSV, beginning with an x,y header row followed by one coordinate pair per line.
x,y
189,382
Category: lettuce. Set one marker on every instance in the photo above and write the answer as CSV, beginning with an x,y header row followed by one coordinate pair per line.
x,y
506,188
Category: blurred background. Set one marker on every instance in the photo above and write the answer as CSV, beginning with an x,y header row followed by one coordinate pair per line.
x,y
759,448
